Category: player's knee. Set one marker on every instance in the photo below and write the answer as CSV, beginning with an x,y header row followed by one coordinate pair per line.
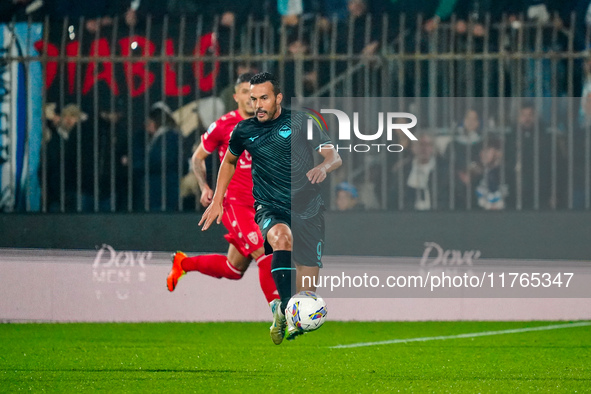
x,y
281,241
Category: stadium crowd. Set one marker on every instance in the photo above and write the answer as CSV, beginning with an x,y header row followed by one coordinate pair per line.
x,y
467,168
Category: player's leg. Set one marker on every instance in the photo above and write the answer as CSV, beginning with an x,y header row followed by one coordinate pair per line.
x,y
277,235
214,265
280,239
245,235
308,249
266,280
229,266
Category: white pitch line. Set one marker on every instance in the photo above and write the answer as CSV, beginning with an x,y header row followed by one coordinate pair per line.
x,y
468,335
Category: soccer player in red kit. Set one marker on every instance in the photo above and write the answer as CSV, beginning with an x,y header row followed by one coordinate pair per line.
x,y
244,235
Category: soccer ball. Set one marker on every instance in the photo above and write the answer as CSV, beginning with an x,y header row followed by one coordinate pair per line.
x,y
306,311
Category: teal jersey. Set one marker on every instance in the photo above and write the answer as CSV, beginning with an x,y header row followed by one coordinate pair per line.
x,y
281,156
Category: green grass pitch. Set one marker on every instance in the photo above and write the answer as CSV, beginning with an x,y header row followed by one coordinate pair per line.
x,y
240,357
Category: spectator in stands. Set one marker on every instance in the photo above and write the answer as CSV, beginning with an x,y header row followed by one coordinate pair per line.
x,y
161,172
583,131
139,10
290,11
230,13
402,139
473,35
528,149
462,154
581,155
301,77
539,77
472,14
424,182
432,13
60,141
442,13
396,162
233,14
585,109
347,197
333,9
490,190
97,13
355,40
111,175
352,38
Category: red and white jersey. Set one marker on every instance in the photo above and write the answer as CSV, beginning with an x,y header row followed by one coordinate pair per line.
x,y
218,137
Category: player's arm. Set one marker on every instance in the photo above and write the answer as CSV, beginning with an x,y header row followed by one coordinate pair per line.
x,y
215,209
332,161
200,171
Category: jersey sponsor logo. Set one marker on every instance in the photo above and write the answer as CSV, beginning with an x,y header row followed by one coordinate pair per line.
x,y
285,131
211,127
253,237
253,138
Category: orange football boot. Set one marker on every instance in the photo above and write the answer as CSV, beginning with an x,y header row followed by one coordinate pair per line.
x,y
176,272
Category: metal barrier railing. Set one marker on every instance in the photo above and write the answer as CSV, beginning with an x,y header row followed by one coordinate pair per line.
x,y
81,99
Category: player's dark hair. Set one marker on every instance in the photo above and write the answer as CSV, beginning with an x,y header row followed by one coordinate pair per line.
x,y
246,77
266,77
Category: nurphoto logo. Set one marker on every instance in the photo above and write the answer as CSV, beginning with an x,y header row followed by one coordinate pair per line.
x,y
391,120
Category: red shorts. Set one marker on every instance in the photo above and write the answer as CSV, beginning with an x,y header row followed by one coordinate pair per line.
x,y
243,232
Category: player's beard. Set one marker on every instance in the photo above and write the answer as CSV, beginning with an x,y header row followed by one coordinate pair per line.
x,y
270,115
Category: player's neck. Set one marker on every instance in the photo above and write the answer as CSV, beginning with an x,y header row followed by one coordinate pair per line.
x,y
278,113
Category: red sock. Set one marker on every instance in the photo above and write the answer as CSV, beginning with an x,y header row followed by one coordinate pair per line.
x,y
215,265
265,277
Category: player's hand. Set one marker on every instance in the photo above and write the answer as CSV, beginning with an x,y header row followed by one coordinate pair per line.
x,y
316,174
206,196
213,212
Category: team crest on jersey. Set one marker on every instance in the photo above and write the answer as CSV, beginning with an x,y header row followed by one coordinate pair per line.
x,y
285,131
253,237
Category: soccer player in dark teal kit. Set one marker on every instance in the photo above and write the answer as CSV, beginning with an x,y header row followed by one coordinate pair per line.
x,y
285,188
